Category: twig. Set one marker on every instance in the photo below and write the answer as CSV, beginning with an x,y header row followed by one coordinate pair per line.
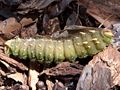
x,y
105,20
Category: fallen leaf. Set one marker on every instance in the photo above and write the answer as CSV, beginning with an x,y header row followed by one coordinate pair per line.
x,y
18,77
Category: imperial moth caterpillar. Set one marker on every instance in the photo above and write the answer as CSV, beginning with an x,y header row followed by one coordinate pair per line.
x,y
81,43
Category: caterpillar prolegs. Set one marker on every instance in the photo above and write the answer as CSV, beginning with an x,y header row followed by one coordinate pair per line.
x,y
80,44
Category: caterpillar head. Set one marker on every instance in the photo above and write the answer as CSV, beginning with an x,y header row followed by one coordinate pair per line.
x,y
108,33
11,46
7,48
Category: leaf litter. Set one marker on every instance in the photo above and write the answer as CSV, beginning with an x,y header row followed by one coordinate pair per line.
x,y
28,18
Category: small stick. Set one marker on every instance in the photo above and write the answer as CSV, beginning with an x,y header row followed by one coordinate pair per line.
x,y
105,20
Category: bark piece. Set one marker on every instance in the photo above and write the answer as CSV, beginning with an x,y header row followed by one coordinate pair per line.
x,y
64,68
11,70
5,12
73,19
12,2
9,25
58,86
56,10
110,58
33,75
85,80
65,71
28,32
18,77
52,26
13,62
102,9
49,84
9,28
95,78
36,4
26,21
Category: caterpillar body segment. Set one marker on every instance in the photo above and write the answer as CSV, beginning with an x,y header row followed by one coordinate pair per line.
x,y
23,51
31,49
98,41
49,51
59,54
69,50
79,47
79,44
89,45
40,50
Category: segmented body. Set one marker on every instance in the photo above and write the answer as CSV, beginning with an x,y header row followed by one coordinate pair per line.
x,y
49,50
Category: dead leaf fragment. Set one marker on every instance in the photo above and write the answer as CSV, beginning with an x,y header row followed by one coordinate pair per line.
x,y
18,77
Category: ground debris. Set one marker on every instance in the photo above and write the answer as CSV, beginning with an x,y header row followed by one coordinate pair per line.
x,y
95,78
13,62
33,75
64,71
110,58
102,9
58,19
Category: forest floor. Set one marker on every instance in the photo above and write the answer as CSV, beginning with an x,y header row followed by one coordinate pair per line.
x,y
31,18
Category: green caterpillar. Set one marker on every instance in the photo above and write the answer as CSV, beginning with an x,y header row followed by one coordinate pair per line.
x,y
81,43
